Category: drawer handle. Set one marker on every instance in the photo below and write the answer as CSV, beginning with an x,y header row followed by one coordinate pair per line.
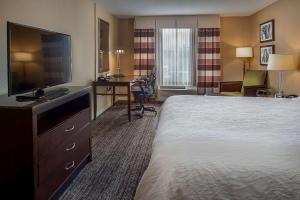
x,y
70,165
69,148
70,129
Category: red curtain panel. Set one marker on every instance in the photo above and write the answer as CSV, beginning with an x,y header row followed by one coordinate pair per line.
x,y
209,68
144,51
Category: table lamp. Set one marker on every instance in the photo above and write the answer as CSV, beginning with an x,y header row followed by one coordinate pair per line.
x,y
246,53
280,63
23,58
119,52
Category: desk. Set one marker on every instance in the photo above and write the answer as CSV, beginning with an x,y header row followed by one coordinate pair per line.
x,y
126,81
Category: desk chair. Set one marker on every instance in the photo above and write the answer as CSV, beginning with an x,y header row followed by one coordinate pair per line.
x,y
253,80
143,89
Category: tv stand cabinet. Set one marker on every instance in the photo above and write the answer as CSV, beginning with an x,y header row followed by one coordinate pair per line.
x,y
43,143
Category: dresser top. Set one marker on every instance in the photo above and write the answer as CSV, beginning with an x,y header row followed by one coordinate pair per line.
x,y
9,102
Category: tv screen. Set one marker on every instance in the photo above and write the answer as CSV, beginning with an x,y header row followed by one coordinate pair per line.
x,y
36,58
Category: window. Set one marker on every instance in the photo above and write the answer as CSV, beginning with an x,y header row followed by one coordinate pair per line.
x,y
176,57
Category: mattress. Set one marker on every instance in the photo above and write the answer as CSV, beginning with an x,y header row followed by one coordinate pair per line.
x,y
225,148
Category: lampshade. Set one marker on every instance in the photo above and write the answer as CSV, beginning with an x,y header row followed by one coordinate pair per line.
x,y
244,52
23,57
281,62
120,51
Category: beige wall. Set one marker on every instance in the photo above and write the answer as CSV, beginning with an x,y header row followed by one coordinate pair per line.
x,y
244,31
125,42
104,102
287,32
235,32
73,17
113,35
238,32
241,31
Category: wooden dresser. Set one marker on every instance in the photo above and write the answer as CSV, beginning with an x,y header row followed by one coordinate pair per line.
x,y
43,144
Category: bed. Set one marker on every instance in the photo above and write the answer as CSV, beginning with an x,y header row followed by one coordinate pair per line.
x,y
229,148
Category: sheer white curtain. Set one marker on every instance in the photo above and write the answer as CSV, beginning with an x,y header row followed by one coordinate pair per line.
x,y
176,57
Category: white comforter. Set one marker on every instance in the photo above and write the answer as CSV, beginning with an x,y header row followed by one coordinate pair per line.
x,y
225,148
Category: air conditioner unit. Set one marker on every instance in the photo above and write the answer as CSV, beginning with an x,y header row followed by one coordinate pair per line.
x,y
173,88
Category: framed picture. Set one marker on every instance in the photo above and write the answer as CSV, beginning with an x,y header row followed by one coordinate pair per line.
x,y
267,31
265,51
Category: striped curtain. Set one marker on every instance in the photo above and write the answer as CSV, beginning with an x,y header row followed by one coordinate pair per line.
x,y
209,68
144,51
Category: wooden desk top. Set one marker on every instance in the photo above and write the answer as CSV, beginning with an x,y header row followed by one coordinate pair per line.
x,y
117,81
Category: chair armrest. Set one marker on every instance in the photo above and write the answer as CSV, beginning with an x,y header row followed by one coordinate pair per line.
x,y
251,91
139,81
231,86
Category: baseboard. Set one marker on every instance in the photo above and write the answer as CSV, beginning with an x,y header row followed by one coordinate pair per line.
x,y
102,110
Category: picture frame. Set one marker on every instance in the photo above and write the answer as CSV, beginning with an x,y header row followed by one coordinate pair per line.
x,y
265,51
267,31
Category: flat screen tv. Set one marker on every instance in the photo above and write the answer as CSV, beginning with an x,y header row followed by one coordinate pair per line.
x,y
37,58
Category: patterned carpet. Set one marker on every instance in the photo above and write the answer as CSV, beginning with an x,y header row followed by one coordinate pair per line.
x,y
121,152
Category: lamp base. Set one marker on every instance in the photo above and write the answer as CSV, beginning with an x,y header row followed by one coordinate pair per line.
x,y
118,75
279,95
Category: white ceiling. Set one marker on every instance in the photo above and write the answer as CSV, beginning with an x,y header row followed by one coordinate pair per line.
x,y
129,8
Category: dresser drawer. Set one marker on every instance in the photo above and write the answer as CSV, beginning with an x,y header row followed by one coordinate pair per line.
x,y
66,156
54,170
49,141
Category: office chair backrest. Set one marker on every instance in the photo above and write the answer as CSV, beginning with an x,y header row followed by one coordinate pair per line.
x,y
152,80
